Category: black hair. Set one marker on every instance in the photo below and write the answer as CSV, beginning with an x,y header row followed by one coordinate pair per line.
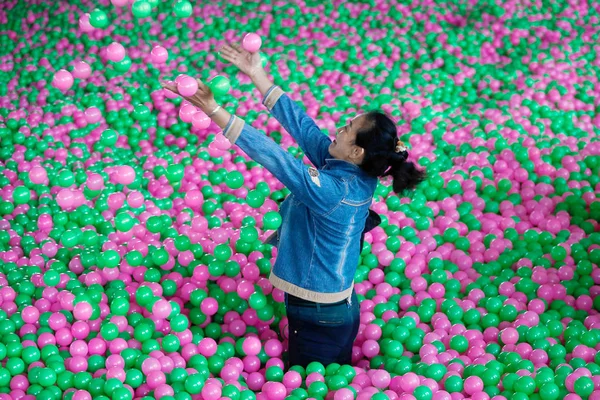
x,y
379,139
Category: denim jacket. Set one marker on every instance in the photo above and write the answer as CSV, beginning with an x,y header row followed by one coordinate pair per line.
x,y
324,216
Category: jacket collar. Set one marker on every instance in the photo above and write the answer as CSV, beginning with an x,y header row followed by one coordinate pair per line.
x,y
342,165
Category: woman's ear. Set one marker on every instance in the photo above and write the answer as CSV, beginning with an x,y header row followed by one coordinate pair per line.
x,y
357,152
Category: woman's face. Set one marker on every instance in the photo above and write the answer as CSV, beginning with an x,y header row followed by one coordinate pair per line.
x,y
344,147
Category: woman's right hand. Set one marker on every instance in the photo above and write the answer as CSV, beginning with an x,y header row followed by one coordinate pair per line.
x,y
204,98
248,63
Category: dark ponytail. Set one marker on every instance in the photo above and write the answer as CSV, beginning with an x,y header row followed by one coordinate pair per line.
x,y
385,155
406,175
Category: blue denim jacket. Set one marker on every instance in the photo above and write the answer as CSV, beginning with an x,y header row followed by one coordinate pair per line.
x,y
323,217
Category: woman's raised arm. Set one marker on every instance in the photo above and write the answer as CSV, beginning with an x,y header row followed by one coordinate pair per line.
x,y
318,191
290,114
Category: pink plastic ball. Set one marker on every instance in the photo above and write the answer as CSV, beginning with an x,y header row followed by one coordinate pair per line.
x,y
221,142
92,115
292,379
372,332
509,336
251,346
30,314
381,379
273,348
63,80
81,70
187,86
186,113
38,175
84,23
251,42
207,347
161,309
82,311
65,199
274,390
473,384
82,395
343,394
200,120
229,373
125,175
194,199
159,54
135,199
115,52
370,348
209,306
211,391
409,382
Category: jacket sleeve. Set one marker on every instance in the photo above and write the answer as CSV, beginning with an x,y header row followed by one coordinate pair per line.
x,y
297,123
319,191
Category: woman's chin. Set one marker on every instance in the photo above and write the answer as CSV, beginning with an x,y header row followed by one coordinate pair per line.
x,y
332,149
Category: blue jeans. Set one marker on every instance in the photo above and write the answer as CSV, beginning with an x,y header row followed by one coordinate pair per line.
x,y
321,332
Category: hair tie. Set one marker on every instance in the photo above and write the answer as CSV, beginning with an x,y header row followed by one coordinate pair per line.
x,y
400,147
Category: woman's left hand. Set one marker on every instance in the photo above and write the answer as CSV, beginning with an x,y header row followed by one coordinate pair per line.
x,y
204,98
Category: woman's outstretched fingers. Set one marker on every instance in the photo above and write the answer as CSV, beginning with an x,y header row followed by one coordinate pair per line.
x,y
237,47
170,86
234,46
228,52
226,47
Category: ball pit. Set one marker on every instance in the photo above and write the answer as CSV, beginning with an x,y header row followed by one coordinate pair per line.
x,y
133,261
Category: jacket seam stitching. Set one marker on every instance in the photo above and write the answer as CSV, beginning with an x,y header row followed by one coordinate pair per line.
x,y
312,255
339,202
345,249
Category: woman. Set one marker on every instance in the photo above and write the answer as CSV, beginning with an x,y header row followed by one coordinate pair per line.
x,y
325,215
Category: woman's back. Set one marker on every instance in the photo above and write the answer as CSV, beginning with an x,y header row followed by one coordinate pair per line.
x,y
318,251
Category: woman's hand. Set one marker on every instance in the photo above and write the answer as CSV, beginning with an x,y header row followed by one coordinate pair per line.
x,y
248,63
204,98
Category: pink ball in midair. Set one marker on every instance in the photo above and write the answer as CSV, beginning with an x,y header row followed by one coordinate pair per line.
x,y
119,3
81,70
84,23
115,52
159,54
200,120
187,86
63,80
251,42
